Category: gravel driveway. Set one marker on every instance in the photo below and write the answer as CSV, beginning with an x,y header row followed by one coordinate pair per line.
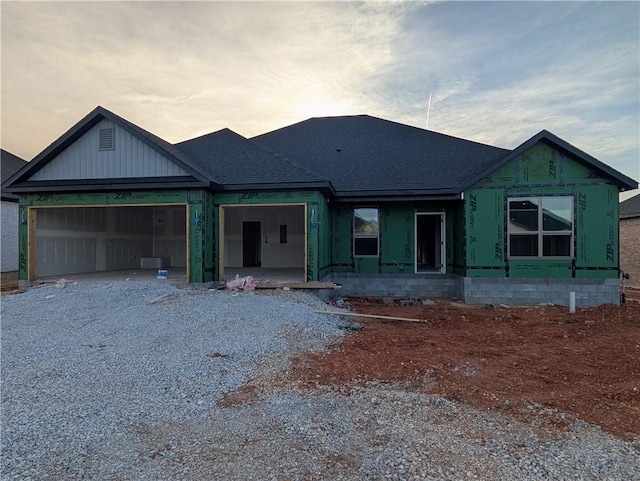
x,y
125,382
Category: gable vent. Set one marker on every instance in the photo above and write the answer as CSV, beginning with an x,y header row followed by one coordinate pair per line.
x,y
107,139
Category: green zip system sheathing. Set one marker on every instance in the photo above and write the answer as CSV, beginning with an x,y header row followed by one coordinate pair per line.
x,y
201,224
397,237
538,172
318,228
199,215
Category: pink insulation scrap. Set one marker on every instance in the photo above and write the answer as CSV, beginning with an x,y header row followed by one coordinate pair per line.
x,y
243,283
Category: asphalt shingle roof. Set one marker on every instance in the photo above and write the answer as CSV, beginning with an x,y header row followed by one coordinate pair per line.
x,y
231,159
630,207
357,156
10,164
364,154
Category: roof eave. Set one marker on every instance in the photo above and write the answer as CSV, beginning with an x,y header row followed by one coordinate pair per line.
x,y
92,185
82,127
155,143
323,185
58,146
398,195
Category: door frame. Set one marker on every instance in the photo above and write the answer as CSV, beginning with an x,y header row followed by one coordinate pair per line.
x,y
256,243
220,210
443,251
32,230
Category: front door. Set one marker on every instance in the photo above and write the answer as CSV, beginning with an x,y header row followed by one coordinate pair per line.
x,y
251,244
430,253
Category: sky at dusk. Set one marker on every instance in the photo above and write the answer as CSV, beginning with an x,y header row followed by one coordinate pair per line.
x,y
497,72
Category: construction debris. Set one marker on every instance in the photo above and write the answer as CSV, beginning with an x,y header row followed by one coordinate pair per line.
x,y
338,302
407,302
243,283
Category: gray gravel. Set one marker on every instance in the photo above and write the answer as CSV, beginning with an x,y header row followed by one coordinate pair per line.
x,y
122,382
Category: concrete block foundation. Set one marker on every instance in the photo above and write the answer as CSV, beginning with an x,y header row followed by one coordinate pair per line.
x,y
513,291
394,285
475,290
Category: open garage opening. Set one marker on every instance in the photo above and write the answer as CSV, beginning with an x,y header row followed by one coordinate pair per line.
x,y
82,240
266,242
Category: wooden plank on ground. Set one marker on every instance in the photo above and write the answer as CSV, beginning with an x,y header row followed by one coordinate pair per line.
x,y
296,285
373,316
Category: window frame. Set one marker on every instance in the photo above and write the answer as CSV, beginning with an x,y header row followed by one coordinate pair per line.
x,y
357,236
540,232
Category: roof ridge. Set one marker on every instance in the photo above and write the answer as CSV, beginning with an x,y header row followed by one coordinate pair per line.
x,y
381,119
207,135
254,145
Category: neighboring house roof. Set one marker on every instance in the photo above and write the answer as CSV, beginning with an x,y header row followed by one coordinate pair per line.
x,y
630,207
236,163
622,181
367,156
10,164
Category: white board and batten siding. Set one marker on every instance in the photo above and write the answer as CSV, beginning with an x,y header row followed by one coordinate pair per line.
x,y
91,157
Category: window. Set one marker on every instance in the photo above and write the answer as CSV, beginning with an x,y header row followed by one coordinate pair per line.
x,y
365,232
541,227
283,233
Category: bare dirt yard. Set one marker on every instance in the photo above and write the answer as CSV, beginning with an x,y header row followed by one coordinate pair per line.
x,y
584,364
509,358
258,385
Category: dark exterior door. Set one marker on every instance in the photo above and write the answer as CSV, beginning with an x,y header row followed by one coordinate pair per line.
x,y
251,244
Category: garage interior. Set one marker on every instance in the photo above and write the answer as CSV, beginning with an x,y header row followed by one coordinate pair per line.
x,y
77,240
266,242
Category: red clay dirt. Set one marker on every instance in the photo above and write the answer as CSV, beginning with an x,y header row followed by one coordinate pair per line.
x,y
585,364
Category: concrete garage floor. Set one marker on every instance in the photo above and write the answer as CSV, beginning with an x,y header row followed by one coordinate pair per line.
x,y
175,275
178,275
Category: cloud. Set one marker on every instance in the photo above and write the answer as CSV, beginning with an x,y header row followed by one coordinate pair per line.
x,y
594,108
498,71
180,69
569,68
